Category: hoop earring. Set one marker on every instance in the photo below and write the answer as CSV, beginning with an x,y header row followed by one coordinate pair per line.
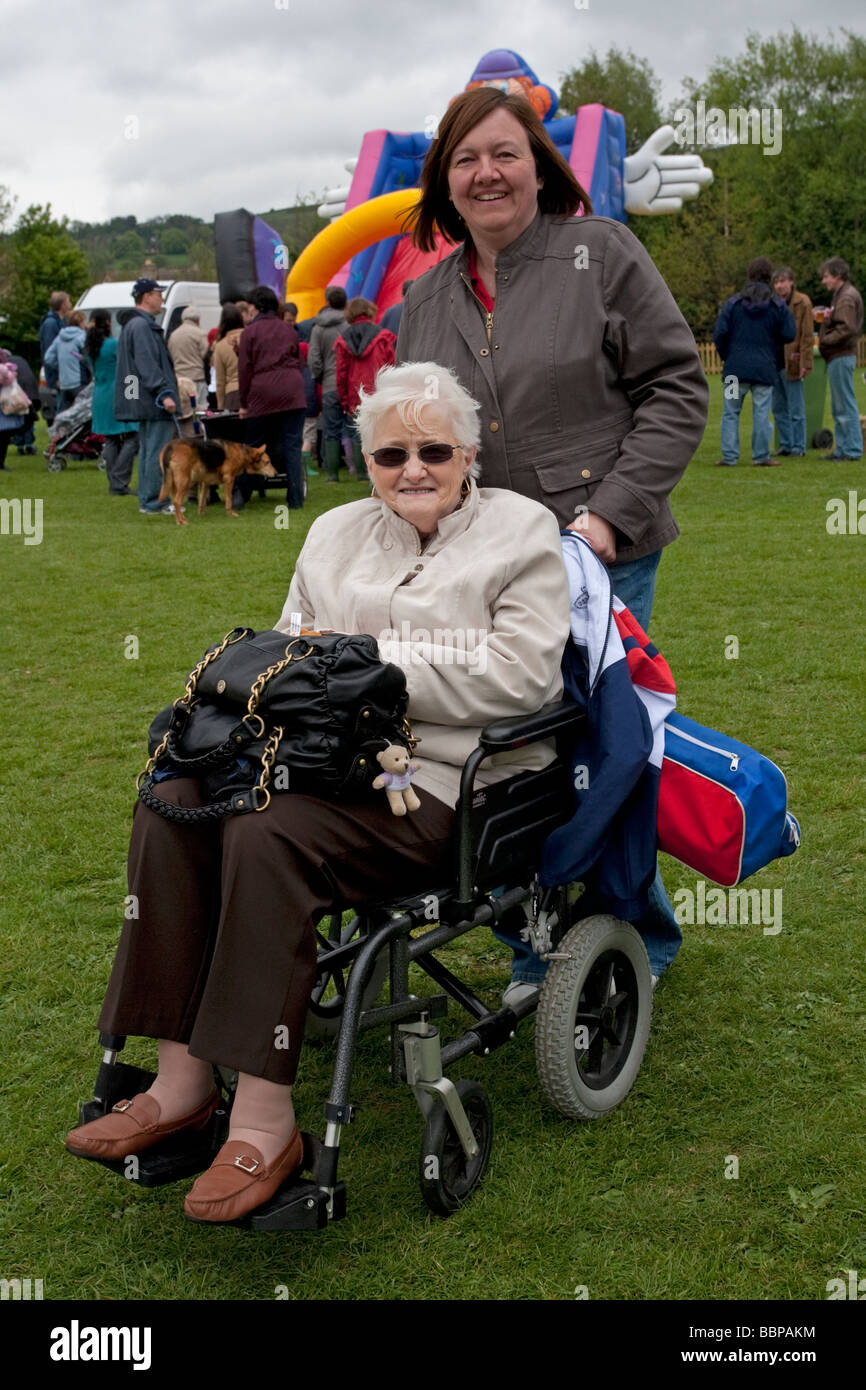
x,y
465,488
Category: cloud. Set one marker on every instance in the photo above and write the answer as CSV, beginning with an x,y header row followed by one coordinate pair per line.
x,y
246,102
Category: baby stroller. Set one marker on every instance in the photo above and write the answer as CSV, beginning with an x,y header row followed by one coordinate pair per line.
x,y
71,435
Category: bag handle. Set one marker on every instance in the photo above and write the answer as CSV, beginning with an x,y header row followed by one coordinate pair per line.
x,y
255,798
239,738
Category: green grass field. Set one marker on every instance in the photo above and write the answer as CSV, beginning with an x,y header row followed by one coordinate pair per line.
x,y
757,1044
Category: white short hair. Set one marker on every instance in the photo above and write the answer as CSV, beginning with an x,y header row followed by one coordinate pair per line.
x,y
408,389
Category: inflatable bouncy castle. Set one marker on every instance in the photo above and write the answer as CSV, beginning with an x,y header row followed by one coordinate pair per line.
x,y
363,248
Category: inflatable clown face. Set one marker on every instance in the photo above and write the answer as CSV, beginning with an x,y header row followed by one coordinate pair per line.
x,y
538,97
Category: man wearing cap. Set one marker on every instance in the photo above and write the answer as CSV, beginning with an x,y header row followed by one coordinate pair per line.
x,y
145,389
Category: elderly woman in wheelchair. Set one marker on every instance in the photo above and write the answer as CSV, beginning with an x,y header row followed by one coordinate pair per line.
x,y
465,589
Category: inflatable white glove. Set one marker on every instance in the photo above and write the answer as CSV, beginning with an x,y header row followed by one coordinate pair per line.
x,y
657,183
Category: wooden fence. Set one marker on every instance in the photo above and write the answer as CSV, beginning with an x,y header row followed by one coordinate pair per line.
x,y
712,362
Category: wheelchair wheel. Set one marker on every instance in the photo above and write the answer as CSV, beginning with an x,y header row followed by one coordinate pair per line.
x,y
593,1018
447,1177
329,992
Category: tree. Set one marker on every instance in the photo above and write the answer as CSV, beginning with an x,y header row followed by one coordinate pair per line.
x,y
202,260
798,206
129,251
173,242
621,81
39,256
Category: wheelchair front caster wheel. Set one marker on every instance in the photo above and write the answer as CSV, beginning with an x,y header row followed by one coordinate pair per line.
x,y
593,1018
448,1178
325,1014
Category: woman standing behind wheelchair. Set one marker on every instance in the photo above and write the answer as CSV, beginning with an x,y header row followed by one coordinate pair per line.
x,y
592,395
466,591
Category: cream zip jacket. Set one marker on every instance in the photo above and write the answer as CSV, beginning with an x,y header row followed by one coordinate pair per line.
x,y
477,621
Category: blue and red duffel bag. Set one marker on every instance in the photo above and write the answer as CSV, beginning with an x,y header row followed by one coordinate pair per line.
x,y
723,807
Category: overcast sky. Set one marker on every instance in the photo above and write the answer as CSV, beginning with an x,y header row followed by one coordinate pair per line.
x,y
198,106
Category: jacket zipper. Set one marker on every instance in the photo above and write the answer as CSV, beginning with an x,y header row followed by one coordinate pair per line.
x,y
488,312
733,758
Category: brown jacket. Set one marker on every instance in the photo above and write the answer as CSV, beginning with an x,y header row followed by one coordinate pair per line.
x,y
478,620
800,353
838,334
225,361
187,348
590,385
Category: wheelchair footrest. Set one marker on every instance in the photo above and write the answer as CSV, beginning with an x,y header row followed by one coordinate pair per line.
x,y
181,1156
298,1206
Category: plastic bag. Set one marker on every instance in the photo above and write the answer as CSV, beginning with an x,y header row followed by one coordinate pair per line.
x,y
13,399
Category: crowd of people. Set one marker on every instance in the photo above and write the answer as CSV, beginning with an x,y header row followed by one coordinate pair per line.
x,y
296,385
531,391
764,335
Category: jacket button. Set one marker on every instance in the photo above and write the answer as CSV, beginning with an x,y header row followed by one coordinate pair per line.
x,y
386,545
419,567
496,347
494,426
585,473
505,277
485,352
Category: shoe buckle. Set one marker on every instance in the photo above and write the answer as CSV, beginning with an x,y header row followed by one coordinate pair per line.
x,y
249,1165
121,1106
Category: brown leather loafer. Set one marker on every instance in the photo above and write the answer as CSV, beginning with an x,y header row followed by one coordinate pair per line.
x,y
132,1126
238,1181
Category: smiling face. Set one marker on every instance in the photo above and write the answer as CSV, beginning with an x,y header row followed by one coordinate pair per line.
x,y
783,286
421,493
493,182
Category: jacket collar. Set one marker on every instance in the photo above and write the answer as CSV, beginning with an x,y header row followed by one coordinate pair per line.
x,y
451,526
528,245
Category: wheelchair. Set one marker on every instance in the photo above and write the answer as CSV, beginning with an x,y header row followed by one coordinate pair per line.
x,y
593,1009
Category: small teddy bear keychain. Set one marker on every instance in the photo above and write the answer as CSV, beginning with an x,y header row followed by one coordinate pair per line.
x,y
395,777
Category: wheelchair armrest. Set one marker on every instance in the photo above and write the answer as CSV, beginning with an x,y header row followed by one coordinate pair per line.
x,y
505,734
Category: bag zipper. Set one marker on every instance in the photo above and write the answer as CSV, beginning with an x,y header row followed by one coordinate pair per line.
x,y
733,758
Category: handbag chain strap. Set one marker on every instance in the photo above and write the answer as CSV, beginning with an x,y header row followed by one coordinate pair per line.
x,y
258,685
268,755
411,740
237,634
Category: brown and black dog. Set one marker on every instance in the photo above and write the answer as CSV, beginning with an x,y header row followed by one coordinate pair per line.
x,y
206,462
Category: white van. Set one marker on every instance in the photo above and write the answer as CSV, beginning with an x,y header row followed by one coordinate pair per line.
x,y
117,295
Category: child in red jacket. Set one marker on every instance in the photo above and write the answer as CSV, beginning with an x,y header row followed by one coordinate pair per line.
x,y
362,348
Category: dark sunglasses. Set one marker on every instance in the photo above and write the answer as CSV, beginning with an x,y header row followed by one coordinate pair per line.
x,y
428,453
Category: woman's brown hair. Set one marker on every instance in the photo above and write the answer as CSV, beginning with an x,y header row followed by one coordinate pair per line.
x,y
434,211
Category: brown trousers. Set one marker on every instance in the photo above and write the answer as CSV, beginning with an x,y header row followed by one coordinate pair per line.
x,y
222,956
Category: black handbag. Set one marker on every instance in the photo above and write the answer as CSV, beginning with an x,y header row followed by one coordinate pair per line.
x,y
266,712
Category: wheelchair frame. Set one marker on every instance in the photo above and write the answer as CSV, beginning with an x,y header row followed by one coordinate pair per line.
x,y
494,842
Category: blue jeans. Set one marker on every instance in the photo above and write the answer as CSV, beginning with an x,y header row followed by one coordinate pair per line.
x,y
762,399
843,403
789,410
152,435
634,582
